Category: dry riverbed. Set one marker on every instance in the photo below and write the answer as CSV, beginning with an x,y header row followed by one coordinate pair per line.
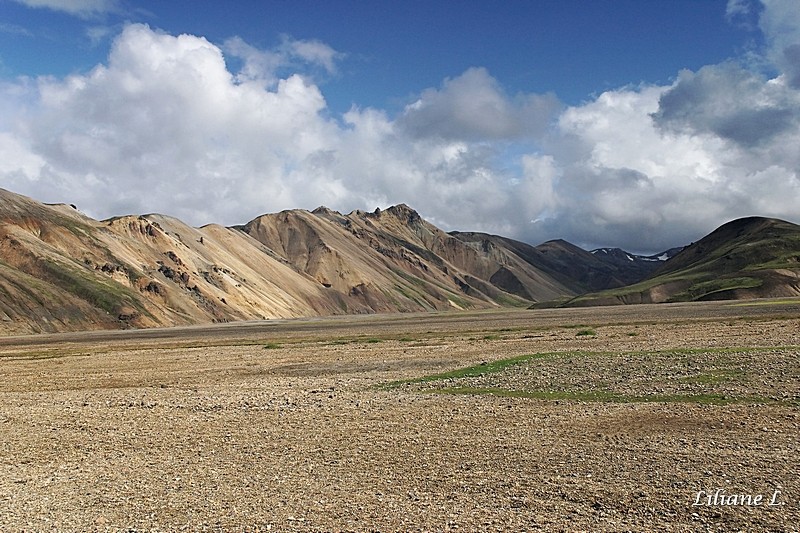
x,y
632,418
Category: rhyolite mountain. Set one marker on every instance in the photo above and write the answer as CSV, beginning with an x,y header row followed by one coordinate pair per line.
x,y
61,270
753,257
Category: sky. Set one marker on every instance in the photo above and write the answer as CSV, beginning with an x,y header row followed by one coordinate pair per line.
x,y
642,124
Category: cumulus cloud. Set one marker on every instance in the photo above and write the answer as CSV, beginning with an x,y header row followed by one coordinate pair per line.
x,y
163,126
730,102
80,8
628,180
654,166
621,180
168,124
473,106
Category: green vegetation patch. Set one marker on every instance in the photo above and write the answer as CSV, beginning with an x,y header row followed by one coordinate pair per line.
x,y
706,288
790,261
470,371
105,294
697,375
510,300
602,396
716,376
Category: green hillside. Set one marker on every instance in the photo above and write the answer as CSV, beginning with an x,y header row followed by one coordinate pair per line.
x,y
747,258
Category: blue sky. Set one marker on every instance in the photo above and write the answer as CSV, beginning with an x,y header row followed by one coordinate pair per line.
x,y
393,50
642,124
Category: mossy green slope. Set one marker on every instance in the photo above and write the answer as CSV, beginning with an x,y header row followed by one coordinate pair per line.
x,y
747,258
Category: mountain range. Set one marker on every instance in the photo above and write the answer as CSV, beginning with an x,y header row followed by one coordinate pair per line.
x,y
61,270
747,258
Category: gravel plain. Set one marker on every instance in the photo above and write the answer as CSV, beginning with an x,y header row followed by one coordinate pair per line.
x,y
288,425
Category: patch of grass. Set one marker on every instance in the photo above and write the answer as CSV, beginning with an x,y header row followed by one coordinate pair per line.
x,y
605,396
468,372
272,346
510,300
596,392
453,297
703,289
491,337
790,260
108,295
586,333
339,342
713,377
426,286
633,334
410,294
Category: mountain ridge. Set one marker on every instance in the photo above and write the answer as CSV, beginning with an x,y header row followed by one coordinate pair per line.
x,y
61,270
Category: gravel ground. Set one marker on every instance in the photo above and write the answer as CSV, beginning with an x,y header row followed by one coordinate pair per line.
x,y
281,427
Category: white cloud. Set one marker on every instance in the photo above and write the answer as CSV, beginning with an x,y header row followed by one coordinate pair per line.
x,y
15,29
473,106
163,127
780,22
80,8
265,66
167,125
732,103
737,8
628,180
314,52
742,13
98,34
16,161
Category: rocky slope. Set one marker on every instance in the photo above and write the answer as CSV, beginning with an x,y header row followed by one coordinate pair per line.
x,y
572,266
374,258
61,270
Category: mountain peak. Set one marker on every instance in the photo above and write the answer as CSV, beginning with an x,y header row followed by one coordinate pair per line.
x,y
404,212
746,225
322,210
